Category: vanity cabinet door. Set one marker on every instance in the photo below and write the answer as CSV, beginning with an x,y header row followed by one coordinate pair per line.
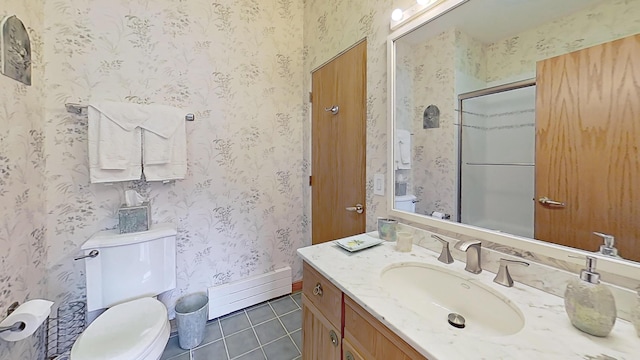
x,y
349,352
371,339
320,339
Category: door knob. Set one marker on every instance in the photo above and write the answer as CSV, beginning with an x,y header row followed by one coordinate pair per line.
x,y
546,201
358,208
333,109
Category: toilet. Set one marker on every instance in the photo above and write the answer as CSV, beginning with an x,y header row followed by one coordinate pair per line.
x,y
406,203
124,277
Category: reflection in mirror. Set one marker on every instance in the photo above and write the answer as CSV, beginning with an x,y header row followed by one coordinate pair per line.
x,y
479,164
497,134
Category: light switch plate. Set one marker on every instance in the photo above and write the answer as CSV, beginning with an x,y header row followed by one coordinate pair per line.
x,y
378,184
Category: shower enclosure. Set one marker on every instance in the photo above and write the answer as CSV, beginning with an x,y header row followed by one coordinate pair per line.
x,y
497,158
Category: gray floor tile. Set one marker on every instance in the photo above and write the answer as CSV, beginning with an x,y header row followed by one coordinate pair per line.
x,y
172,349
292,321
282,349
260,314
240,343
212,351
254,355
297,297
212,332
297,338
185,356
233,324
269,331
283,305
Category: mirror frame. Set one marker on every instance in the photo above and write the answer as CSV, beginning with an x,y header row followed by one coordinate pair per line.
x,y
611,265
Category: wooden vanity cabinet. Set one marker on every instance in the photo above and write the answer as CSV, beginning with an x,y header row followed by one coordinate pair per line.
x,y
335,327
320,339
371,339
321,317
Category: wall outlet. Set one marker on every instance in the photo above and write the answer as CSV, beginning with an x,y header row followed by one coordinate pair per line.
x,y
378,184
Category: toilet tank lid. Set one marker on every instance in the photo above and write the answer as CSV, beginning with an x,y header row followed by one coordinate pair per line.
x,y
109,238
405,198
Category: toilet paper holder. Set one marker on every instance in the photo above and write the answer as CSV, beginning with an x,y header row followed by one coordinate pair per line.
x,y
18,326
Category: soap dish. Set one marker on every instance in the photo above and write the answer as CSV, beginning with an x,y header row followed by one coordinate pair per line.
x,y
356,243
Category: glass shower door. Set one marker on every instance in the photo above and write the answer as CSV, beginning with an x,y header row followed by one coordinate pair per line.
x,y
497,154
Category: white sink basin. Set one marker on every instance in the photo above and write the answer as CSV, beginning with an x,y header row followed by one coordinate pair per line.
x,y
435,292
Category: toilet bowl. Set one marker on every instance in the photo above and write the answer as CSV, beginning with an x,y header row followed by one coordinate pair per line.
x,y
135,330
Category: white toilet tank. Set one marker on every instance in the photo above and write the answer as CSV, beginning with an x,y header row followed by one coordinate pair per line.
x,y
406,203
129,266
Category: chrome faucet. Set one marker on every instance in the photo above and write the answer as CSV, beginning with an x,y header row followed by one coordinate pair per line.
x,y
503,277
445,254
472,248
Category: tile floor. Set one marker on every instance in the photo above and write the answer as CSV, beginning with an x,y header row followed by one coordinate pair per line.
x,y
270,330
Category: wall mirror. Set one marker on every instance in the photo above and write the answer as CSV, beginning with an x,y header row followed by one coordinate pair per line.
x,y
467,146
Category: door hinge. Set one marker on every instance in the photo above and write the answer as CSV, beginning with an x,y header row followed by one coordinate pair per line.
x,y
310,97
310,180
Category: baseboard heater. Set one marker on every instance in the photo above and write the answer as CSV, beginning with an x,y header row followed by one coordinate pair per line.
x,y
227,298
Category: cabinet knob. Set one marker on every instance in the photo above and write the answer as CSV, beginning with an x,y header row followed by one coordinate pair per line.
x,y
317,290
349,356
333,337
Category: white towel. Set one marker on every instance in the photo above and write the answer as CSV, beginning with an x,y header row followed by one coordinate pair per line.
x,y
176,167
163,130
120,160
161,121
402,149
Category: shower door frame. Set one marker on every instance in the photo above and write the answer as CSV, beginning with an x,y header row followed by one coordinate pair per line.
x,y
474,94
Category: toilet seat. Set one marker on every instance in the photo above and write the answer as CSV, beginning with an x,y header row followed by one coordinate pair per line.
x,y
135,330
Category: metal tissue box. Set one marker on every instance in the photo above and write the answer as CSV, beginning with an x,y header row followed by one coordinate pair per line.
x,y
134,218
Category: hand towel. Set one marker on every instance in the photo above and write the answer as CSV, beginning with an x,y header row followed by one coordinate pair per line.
x,y
165,133
119,165
402,149
176,167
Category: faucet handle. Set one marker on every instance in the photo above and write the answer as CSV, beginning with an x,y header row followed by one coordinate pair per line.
x,y
463,245
503,277
445,255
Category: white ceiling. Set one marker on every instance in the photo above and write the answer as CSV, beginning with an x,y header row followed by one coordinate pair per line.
x,y
493,20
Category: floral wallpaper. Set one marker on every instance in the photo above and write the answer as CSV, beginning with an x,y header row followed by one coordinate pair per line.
x,y
22,184
237,65
514,58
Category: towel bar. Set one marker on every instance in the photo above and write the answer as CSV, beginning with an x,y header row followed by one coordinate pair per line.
x,y
80,109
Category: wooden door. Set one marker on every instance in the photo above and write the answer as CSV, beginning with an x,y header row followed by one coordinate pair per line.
x,y
320,339
338,146
588,146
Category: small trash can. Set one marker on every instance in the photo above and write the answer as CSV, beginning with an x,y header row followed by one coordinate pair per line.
x,y
191,319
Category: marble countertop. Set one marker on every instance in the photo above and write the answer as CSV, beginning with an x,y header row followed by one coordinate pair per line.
x,y
547,333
